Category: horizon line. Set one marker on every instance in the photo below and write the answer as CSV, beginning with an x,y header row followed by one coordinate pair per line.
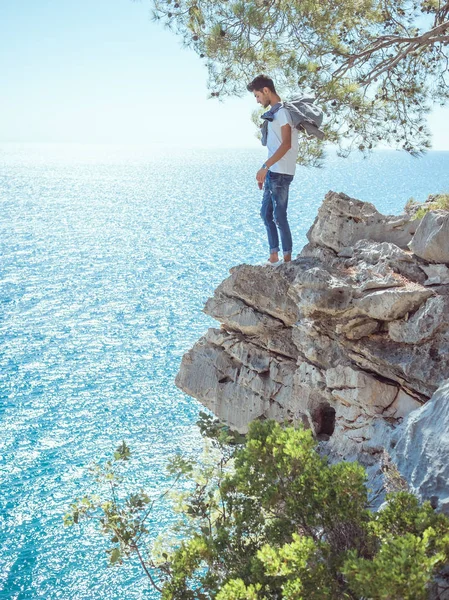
x,y
187,147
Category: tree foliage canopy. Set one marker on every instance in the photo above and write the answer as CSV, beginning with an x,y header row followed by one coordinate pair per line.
x,y
375,66
270,519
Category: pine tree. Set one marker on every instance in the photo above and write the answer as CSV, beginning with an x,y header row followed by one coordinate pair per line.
x,y
376,67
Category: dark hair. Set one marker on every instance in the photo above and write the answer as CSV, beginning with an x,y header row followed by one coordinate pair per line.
x,y
260,82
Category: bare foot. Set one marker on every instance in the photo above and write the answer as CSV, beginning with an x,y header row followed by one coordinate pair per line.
x,y
274,257
287,257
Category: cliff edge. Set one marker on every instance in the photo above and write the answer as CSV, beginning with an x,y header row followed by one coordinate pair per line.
x,y
351,339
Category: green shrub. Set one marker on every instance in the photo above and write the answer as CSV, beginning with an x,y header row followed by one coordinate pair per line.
x,y
269,518
433,202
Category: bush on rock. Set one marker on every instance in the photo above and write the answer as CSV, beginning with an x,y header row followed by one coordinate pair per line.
x,y
269,518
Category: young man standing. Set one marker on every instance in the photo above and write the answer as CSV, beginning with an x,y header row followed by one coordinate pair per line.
x,y
278,171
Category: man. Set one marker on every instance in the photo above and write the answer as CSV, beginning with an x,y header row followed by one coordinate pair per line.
x,y
278,171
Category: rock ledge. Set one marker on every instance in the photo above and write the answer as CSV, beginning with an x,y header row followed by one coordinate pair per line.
x,y
351,339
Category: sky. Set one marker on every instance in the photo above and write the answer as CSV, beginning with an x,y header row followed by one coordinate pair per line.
x,y
101,72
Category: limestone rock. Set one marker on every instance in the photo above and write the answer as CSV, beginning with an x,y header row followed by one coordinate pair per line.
x,y
238,315
322,253
436,274
402,406
418,368
342,221
234,379
345,339
422,325
430,241
354,387
391,304
317,289
422,449
356,329
386,254
316,347
278,342
309,375
375,252
378,278
263,288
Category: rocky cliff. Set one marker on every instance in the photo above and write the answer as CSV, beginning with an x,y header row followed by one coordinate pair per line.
x,y
351,339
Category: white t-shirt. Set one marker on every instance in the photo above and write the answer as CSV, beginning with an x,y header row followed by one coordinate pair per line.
x,y
287,164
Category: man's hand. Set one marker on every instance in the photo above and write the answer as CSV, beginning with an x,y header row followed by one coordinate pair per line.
x,y
260,177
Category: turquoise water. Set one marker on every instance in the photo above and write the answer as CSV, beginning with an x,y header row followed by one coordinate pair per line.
x,y
108,255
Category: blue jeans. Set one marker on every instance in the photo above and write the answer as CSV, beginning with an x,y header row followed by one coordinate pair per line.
x,y
274,211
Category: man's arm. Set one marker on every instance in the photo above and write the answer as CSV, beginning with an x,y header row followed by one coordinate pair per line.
x,y
286,144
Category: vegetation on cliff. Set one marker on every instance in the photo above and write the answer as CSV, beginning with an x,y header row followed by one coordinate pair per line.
x,y
433,202
267,517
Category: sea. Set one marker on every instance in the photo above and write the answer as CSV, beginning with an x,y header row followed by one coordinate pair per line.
x,y
108,254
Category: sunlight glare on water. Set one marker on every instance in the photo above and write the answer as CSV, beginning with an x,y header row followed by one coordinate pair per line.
x,y
108,256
